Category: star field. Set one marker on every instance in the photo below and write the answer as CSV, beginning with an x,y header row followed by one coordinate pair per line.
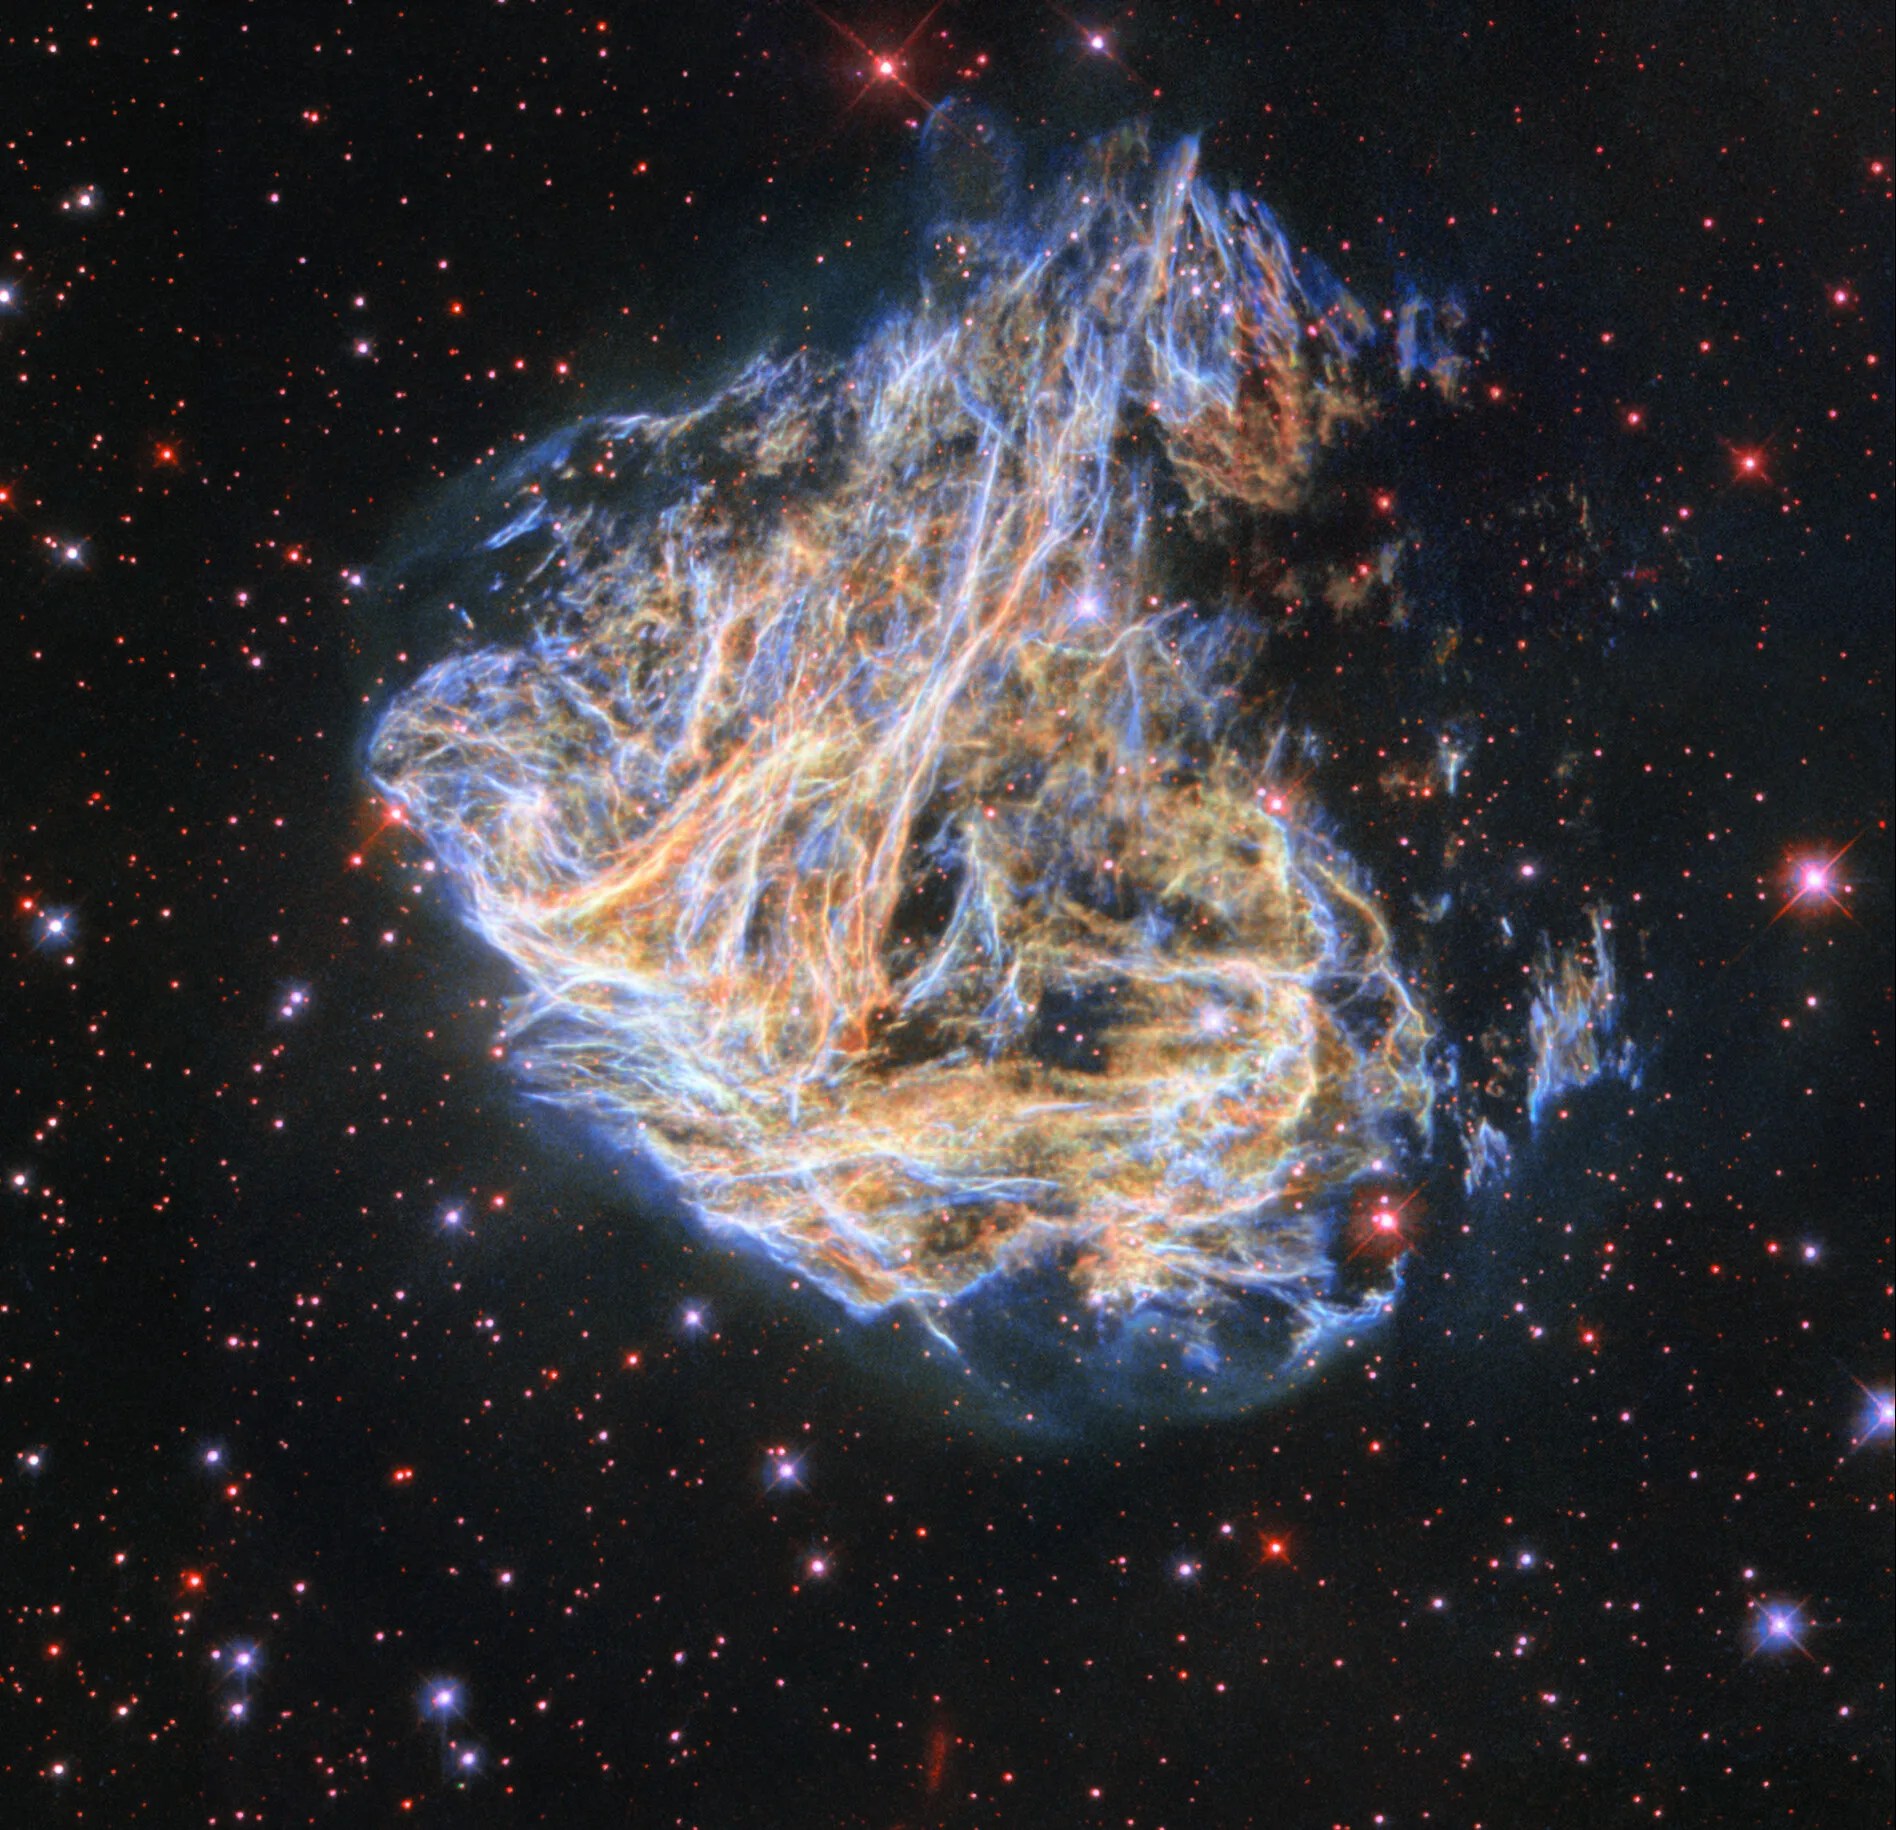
x,y
382,1446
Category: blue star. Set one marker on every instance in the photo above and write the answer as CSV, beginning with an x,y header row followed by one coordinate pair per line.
x,y
440,1699
1780,1626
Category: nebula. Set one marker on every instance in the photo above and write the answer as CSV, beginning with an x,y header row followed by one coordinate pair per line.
x,y
872,819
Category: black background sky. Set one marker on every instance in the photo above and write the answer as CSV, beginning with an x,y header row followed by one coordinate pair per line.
x,y
273,277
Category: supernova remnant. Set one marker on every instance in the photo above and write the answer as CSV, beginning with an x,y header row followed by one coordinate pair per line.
x,y
867,812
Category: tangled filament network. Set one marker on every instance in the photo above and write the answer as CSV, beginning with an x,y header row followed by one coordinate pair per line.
x,y
863,813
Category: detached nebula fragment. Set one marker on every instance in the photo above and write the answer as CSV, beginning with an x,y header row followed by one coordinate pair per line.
x,y
872,819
